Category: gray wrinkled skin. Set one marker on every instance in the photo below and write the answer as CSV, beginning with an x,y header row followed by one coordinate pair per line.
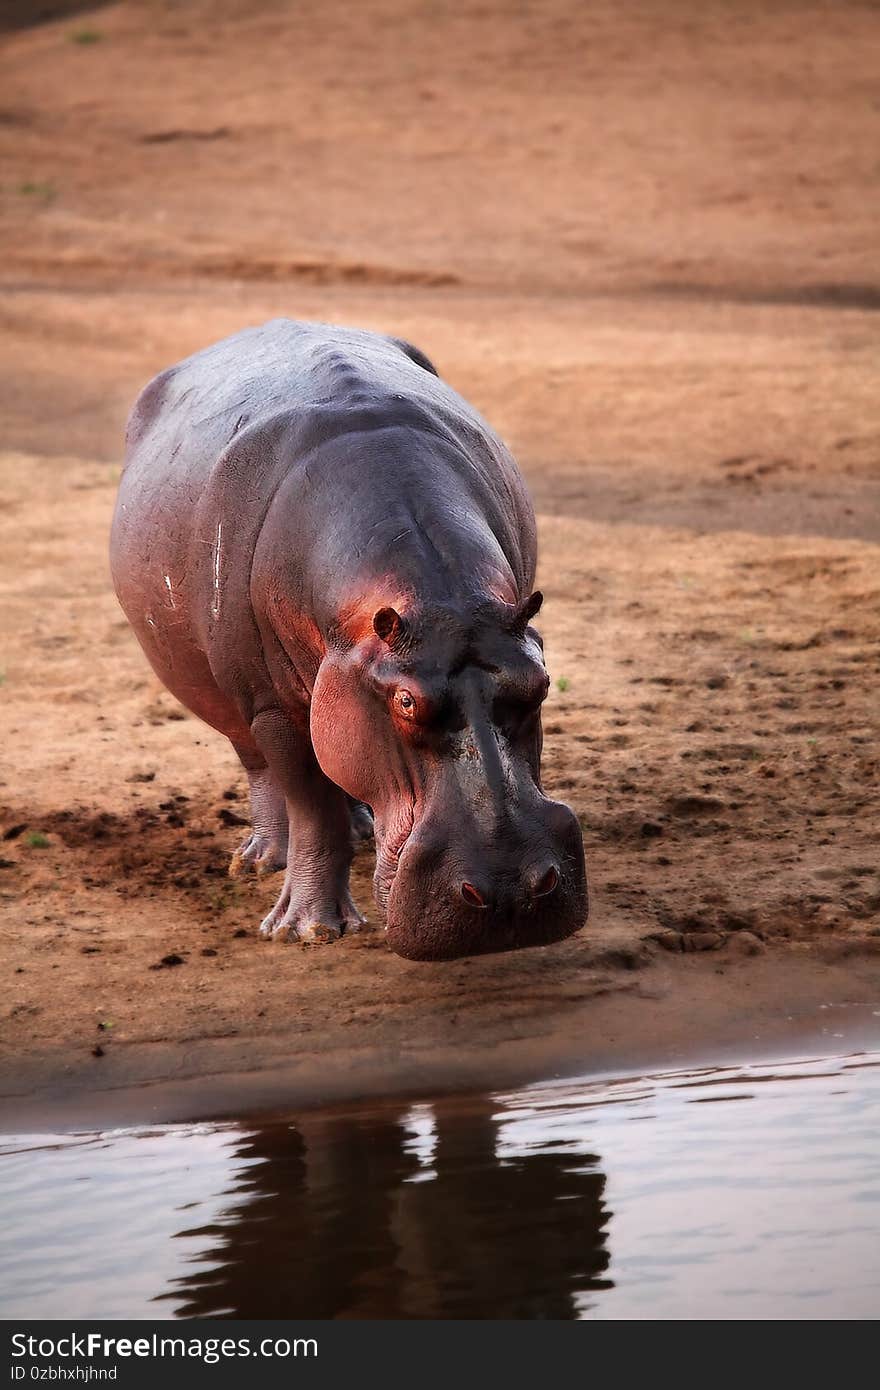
x,y
328,556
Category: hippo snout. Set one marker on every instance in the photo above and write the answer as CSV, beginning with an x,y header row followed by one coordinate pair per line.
x,y
520,893
527,887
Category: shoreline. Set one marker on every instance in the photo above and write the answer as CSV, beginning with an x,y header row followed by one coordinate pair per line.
x,y
724,779
674,1014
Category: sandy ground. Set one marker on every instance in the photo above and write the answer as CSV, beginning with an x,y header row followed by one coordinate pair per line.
x,y
643,242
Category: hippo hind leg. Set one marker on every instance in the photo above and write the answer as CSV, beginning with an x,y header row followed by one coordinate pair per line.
x,y
265,849
361,820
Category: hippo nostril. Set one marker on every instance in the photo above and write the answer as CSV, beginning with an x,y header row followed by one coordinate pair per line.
x,y
472,896
546,883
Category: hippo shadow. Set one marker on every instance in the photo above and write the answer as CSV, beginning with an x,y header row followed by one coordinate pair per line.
x,y
176,847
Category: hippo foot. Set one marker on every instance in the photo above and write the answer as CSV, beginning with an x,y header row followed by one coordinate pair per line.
x,y
261,854
317,922
361,822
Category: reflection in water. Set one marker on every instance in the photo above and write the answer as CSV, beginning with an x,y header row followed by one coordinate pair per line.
x,y
490,1207
407,1214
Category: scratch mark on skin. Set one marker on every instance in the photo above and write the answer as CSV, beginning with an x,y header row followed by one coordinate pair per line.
x,y
218,547
170,590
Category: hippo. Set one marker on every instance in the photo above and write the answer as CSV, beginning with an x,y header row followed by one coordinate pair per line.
x,y
328,556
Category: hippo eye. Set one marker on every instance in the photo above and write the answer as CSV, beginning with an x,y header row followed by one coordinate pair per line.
x,y
405,703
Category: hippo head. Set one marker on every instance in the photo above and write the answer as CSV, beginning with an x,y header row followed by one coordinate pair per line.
x,y
432,716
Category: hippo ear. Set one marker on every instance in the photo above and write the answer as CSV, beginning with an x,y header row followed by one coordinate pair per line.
x,y
388,624
528,609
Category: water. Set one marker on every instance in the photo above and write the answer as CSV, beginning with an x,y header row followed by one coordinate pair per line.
x,y
741,1192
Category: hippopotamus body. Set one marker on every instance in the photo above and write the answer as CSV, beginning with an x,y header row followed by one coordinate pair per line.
x,y
328,556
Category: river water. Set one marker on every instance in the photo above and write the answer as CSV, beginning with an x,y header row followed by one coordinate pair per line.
x,y
736,1192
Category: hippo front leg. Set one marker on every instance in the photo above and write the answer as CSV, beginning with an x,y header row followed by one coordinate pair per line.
x,y
315,904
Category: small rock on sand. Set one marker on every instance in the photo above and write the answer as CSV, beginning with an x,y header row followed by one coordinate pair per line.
x,y
745,943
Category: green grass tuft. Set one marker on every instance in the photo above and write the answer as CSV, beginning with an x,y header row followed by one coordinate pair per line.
x,y
43,189
563,683
85,37
37,840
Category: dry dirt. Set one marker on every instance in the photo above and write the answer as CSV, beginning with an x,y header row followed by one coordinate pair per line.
x,y
643,240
